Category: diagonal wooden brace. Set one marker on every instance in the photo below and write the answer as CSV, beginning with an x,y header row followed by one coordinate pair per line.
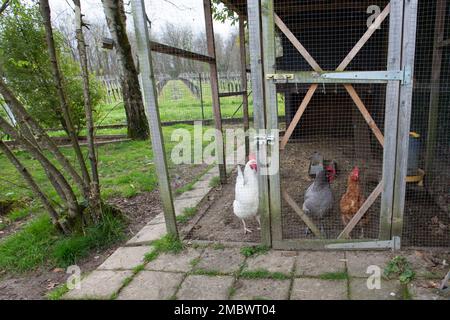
x,y
301,214
370,31
350,89
298,115
366,205
365,113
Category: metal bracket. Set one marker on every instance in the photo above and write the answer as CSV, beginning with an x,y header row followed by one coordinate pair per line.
x,y
404,76
398,75
393,244
265,139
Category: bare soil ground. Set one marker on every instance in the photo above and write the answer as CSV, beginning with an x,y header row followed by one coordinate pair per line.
x,y
215,220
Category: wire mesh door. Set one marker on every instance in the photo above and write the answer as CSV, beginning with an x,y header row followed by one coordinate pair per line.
x,y
337,69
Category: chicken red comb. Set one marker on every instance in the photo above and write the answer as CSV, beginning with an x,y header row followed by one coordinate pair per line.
x,y
251,156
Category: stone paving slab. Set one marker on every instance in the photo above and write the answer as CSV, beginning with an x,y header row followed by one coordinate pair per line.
x,y
196,192
389,290
261,289
315,263
125,258
180,205
273,261
226,260
359,261
317,289
181,262
158,219
99,285
197,287
152,285
148,234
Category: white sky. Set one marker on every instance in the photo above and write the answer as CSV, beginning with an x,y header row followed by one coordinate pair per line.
x,y
181,12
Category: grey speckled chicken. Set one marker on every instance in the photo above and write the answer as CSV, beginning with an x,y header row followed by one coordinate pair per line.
x,y
318,199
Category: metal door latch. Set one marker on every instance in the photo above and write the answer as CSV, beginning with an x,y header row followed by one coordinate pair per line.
x,y
265,139
280,76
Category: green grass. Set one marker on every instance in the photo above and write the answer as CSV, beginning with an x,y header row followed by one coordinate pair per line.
x,y
138,268
254,250
334,276
176,102
263,274
194,262
166,244
231,292
69,250
57,293
38,244
150,256
125,169
215,182
204,272
218,246
188,213
29,248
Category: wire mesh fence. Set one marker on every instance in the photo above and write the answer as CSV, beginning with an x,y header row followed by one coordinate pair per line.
x,y
427,203
330,121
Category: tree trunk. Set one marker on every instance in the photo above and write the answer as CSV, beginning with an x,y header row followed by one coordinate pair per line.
x,y
34,187
95,203
44,141
132,97
57,76
65,191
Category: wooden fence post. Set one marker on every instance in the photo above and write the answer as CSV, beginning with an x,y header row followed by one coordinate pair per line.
x,y
151,107
220,148
257,74
391,119
406,89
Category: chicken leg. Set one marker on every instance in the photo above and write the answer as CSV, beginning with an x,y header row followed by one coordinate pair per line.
x,y
245,227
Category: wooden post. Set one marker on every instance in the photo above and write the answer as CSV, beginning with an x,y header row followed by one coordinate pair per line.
x,y
257,74
391,119
271,108
148,86
244,83
404,116
439,29
220,148
201,95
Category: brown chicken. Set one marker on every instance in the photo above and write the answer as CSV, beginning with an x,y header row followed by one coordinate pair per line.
x,y
352,200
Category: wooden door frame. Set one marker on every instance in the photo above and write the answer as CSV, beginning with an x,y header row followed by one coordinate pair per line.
x,y
398,106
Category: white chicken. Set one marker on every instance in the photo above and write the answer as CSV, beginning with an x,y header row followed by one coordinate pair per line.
x,y
246,200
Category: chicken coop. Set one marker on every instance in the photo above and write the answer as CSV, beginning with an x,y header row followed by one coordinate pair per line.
x,y
360,85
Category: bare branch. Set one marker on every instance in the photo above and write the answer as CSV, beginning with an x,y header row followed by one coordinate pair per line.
x,y
4,6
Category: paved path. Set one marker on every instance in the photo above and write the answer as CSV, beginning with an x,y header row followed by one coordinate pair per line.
x,y
221,272
212,272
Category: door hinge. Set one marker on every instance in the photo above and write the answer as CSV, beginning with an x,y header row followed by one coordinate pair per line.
x,y
393,244
396,75
404,76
